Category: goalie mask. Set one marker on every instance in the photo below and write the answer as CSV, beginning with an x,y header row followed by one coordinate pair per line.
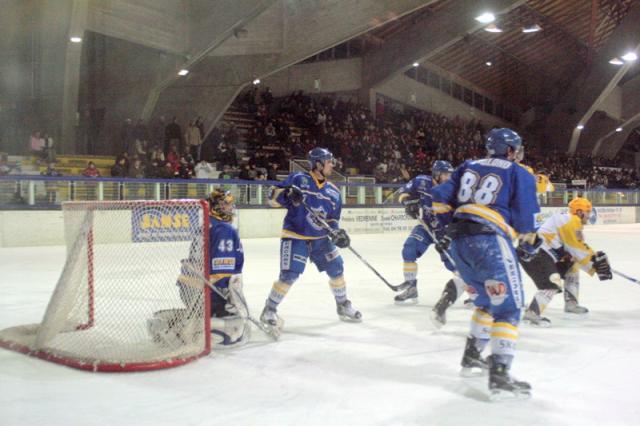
x,y
221,205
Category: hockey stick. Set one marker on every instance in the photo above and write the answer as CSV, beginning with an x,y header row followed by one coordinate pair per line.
x,y
268,331
633,280
323,223
434,239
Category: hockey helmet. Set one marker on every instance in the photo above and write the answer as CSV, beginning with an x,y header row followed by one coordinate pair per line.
x,y
580,203
319,155
498,142
441,166
221,204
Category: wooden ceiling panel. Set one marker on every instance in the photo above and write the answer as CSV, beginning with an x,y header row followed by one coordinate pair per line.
x,y
524,63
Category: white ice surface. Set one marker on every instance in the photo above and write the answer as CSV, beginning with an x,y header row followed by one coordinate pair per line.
x,y
392,369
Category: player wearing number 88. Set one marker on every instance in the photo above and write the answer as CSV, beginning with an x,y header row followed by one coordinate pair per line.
x,y
494,199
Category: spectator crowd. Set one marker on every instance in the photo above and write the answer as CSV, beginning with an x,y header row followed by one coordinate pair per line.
x,y
396,144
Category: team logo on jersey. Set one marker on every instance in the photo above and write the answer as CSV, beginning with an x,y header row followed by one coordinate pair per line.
x,y
497,291
304,182
319,211
223,264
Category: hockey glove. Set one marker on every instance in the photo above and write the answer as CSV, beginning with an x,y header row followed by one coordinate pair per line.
x,y
564,265
340,238
443,244
601,265
295,195
412,208
529,245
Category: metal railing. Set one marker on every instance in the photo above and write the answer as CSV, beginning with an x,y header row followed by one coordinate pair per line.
x,y
46,192
18,192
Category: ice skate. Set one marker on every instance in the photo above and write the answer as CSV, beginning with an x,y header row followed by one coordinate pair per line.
x,y
438,315
272,322
503,387
573,309
473,364
530,317
348,313
410,295
468,303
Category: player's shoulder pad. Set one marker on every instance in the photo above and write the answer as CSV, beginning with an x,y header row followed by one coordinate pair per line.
x,y
523,173
575,221
333,186
499,163
332,191
301,179
423,182
527,168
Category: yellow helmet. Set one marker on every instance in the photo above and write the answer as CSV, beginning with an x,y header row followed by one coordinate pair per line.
x,y
221,204
580,203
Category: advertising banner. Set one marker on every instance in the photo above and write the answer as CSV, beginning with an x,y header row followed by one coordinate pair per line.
x,y
376,220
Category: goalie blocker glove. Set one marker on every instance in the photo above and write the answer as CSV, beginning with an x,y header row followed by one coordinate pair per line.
x,y
412,208
340,238
601,265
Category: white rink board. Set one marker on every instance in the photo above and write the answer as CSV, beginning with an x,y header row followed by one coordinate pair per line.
x,y
393,369
36,228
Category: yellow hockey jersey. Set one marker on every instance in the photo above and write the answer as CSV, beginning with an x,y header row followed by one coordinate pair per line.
x,y
543,184
565,230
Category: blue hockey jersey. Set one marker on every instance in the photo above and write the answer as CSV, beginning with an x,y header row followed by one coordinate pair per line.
x,y
321,197
420,188
225,251
492,191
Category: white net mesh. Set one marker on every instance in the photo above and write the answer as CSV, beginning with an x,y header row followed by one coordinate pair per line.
x,y
117,304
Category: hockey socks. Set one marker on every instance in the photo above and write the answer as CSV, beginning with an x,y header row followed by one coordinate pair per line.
x,y
339,289
278,291
410,270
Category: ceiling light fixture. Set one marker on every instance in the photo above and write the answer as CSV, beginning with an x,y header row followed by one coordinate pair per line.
x,y
532,29
256,81
183,72
76,39
486,17
488,63
415,64
630,56
492,28
580,126
616,61
619,129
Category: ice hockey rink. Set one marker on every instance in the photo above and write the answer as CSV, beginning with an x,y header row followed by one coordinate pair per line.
x,y
392,369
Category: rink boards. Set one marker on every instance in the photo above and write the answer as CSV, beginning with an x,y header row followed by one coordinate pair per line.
x,y
42,228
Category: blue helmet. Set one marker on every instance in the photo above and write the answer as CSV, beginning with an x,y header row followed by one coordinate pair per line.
x,y
318,154
500,140
441,166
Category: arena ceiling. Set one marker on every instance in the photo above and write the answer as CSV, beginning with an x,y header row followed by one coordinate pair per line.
x,y
526,68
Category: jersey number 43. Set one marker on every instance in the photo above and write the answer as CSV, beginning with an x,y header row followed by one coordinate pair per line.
x,y
479,190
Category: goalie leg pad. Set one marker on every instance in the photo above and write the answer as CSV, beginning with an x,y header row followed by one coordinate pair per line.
x,y
174,327
230,332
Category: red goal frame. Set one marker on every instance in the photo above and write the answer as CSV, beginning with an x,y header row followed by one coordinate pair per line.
x,y
131,366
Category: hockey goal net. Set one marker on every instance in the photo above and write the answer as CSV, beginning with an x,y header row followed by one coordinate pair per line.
x,y
117,305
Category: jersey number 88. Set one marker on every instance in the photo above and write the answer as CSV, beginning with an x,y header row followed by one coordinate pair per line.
x,y
481,191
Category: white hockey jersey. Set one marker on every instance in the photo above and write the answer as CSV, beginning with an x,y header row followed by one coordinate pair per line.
x,y
564,230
